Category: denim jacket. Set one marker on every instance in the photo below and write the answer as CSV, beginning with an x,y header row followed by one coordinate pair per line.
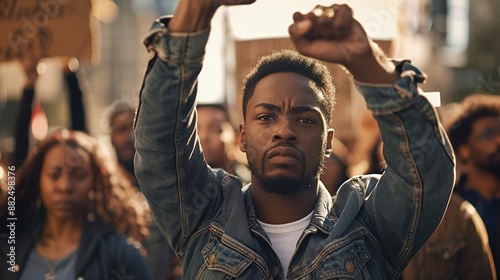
x,y
370,230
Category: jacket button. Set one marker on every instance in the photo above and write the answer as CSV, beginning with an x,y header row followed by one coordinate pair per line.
x,y
80,278
275,272
211,260
349,266
16,268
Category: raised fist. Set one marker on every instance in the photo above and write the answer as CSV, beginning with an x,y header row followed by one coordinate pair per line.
x,y
329,33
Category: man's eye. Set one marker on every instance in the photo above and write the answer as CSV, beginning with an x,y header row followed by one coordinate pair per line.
x,y
489,134
265,118
306,120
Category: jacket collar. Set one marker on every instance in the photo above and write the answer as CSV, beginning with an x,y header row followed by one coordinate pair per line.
x,y
320,219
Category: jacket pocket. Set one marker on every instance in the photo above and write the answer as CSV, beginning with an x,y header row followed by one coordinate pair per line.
x,y
440,259
218,257
344,260
444,250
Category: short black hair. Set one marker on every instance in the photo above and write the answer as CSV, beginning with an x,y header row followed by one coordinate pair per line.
x,y
217,106
119,107
292,61
473,108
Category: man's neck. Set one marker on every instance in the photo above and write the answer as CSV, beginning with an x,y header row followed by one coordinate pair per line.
x,y
274,208
484,183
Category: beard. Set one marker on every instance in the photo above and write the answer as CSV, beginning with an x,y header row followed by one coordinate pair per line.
x,y
286,185
128,165
493,164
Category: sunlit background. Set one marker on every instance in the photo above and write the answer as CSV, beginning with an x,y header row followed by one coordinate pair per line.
x,y
455,41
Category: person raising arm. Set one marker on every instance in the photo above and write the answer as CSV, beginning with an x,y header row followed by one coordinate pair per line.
x,y
285,224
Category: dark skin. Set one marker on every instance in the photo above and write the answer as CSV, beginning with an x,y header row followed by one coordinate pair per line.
x,y
65,182
332,35
216,136
122,136
480,157
334,175
29,63
284,135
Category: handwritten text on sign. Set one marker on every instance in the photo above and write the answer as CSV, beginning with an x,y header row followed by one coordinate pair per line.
x,y
57,27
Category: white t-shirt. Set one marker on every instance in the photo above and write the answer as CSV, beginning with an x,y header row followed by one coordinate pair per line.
x,y
284,238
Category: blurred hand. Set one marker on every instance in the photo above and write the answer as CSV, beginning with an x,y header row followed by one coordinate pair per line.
x,y
29,62
330,34
196,15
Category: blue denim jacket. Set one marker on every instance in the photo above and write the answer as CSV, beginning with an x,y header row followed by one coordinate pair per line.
x,y
370,230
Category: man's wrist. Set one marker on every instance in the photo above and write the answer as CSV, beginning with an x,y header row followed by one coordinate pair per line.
x,y
192,16
373,67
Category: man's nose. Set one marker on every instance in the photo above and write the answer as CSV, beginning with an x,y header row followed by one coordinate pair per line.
x,y
284,130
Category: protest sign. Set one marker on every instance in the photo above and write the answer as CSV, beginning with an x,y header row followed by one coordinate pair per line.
x,y
57,27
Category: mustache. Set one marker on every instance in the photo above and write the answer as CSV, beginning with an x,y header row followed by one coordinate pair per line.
x,y
284,145
495,154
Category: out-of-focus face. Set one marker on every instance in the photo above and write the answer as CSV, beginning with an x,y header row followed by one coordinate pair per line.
x,y
285,134
336,167
335,174
122,137
65,181
483,146
216,135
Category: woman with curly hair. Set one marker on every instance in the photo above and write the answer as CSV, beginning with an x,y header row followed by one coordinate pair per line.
x,y
77,218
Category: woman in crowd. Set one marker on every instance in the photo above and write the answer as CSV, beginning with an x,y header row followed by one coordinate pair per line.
x,y
77,218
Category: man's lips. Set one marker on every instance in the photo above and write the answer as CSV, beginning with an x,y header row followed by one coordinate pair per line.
x,y
284,155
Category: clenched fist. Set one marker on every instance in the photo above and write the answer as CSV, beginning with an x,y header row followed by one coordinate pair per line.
x,y
329,33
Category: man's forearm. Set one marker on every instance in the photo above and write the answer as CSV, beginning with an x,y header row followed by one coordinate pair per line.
x,y
420,166
192,16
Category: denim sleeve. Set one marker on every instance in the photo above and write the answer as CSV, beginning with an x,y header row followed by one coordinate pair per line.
x,y
407,204
181,190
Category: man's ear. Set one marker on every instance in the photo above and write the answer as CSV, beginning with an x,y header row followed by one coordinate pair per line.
x,y
329,141
243,140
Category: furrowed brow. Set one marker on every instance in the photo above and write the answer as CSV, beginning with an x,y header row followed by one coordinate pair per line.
x,y
268,106
303,109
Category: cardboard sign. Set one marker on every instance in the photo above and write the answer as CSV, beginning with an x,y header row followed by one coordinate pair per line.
x,y
57,27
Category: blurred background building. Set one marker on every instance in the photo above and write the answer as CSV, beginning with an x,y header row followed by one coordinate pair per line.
x,y
455,41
